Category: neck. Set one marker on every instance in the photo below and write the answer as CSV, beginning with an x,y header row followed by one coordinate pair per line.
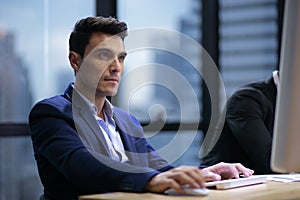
x,y
94,97
99,103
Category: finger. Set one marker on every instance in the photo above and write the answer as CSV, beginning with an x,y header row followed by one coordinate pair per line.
x,y
196,175
184,178
176,186
226,170
245,171
191,176
210,176
234,171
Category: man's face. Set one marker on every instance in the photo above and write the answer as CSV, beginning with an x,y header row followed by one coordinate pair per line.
x,y
102,65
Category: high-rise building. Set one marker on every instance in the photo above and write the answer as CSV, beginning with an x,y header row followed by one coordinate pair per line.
x,y
18,174
248,41
16,97
186,63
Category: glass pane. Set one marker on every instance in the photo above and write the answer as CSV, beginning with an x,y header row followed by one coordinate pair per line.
x,y
18,172
34,50
162,76
33,65
178,149
248,41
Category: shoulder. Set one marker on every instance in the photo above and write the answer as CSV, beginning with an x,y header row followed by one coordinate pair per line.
x,y
52,105
259,95
60,102
258,91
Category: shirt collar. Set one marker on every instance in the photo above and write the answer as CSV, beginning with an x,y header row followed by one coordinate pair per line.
x,y
276,78
108,108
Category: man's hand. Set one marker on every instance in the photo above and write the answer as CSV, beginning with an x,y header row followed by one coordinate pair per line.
x,y
222,171
194,177
174,178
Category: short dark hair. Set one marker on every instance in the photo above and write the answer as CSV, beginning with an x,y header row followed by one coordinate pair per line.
x,y
84,28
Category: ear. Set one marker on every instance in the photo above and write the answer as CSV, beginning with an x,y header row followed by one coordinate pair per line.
x,y
75,60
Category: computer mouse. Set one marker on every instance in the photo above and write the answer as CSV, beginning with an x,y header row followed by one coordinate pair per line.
x,y
189,191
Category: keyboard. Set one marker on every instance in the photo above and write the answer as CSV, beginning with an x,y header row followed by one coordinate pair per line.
x,y
234,183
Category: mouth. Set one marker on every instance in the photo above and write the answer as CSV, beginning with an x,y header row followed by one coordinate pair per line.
x,y
115,80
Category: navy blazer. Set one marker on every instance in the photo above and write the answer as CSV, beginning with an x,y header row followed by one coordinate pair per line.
x,y
68,166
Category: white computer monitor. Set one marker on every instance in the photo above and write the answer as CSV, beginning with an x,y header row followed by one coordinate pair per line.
x,y
285,155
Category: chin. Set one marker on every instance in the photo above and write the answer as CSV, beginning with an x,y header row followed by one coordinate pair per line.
x,y
107,92
111,94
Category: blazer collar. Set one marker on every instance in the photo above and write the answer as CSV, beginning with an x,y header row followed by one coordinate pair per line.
x,y
81,109
68,92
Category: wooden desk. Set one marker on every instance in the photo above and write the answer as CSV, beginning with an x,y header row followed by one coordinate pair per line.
x,y
267,191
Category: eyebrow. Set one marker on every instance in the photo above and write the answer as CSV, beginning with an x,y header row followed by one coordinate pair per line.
x,y
124,53
109,50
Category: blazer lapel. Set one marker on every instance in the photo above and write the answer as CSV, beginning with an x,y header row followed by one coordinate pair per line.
x,y
136,157
92,137
87,126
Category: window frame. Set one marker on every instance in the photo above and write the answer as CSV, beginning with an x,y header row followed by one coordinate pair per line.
x,y
210,41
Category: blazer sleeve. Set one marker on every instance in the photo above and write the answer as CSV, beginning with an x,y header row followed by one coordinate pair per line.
x,y
55,139
247,117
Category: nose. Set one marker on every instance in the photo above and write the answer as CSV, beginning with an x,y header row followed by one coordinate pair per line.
x,y
116,65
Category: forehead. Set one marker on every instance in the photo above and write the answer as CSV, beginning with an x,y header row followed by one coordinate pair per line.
x,y
107,41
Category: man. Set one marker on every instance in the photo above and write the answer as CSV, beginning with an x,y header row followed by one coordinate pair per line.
x,y
248,129
85,145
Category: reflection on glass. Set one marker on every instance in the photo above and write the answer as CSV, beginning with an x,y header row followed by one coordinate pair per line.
x,y
33,65
161,69
161,82
34,49
16,96
248,41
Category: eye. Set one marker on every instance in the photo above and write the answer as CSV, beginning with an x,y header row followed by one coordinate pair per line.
x,y
105,55
122,57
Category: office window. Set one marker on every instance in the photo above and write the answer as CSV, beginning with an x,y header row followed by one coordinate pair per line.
x,y
161,84
34,50
248,41
248,51
157,64
33,65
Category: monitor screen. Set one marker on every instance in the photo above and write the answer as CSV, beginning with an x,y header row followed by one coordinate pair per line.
x,y
285,155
